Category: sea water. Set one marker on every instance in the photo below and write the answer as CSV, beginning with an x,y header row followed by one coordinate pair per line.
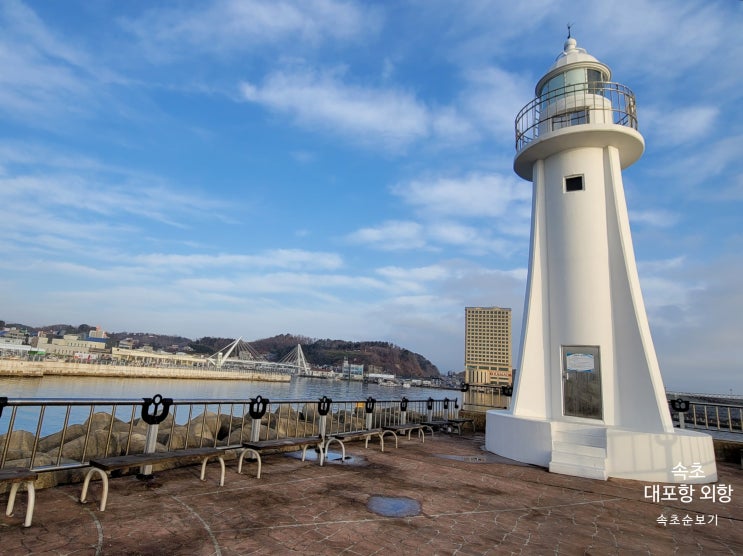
x,y
107,388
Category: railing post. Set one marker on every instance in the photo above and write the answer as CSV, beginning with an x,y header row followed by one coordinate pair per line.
x,y
323,407
153,421
429,409
369,409
256,410
466,398
507,391
404,411
446,408
680,406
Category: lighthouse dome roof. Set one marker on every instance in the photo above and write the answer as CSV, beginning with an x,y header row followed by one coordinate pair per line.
x,y
573,56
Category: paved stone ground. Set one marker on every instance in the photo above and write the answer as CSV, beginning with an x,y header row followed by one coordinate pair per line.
x,y
470,503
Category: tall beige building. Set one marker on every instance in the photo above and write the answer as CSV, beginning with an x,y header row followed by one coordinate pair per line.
x,y
487,346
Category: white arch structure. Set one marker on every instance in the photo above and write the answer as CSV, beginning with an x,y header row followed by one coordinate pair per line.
x,y
240,355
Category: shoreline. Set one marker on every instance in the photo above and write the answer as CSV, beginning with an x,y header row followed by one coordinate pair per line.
x,y
38,369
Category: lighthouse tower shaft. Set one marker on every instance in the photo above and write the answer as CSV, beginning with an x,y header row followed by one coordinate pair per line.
x,y
589,397
586,349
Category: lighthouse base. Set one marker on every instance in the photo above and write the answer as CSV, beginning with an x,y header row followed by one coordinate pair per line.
x,y
598,451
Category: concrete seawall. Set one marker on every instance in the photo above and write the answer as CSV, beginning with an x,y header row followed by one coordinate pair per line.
x,y
19,368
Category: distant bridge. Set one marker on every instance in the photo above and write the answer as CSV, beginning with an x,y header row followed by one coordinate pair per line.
x,y
240,355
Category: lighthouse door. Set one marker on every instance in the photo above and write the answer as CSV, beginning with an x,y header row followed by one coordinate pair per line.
x,y
581,382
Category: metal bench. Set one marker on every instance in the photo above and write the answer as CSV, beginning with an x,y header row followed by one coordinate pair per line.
x,y
16,476
450,424
255,448
342,437
409,428
103,466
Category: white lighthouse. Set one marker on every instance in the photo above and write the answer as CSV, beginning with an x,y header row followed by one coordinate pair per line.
x,y
588,399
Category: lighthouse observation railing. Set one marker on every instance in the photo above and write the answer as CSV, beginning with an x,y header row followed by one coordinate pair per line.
x,y
63,434
581,103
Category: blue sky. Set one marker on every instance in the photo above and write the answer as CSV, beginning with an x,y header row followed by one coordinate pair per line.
x,y
341,169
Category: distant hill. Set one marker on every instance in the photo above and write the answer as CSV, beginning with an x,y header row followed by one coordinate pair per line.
x,y
384,356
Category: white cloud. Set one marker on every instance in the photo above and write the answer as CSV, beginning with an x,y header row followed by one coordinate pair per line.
x,y
677,126
695,170
303,157
470,239
656,218
391,236
66,196
48,78
389,118
694,312
430,320
668,37
228,27
452,127
424,273
473,213
474,195
492,98
413,280
42,76
276,258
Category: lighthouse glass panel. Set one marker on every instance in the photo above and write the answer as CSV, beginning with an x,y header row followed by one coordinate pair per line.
x,y
575,76
581,382
595,78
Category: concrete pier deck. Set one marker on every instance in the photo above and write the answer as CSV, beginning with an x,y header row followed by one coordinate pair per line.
x,y
445,496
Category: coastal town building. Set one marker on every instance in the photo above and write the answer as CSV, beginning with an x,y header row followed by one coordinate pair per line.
x,y
13,336
78,346
353,371
487,346
13,343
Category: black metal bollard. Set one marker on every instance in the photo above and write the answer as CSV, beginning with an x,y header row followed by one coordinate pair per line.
x,y
154,411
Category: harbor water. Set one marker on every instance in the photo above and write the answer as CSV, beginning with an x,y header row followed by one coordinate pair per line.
x,y
299,388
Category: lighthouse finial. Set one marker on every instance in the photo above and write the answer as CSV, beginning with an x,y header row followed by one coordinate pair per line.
x,y
569,26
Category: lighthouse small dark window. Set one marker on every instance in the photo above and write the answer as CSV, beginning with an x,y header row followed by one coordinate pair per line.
x,y
567,119
574,183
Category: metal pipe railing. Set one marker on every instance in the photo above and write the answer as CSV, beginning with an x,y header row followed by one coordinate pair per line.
x,y
482,397
707,415
68,432
602,102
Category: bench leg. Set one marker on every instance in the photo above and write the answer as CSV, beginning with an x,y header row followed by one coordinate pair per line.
x,y
381,436
343,447
320,449
31,490
31,503
203,469
242,457
11,499
104,481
